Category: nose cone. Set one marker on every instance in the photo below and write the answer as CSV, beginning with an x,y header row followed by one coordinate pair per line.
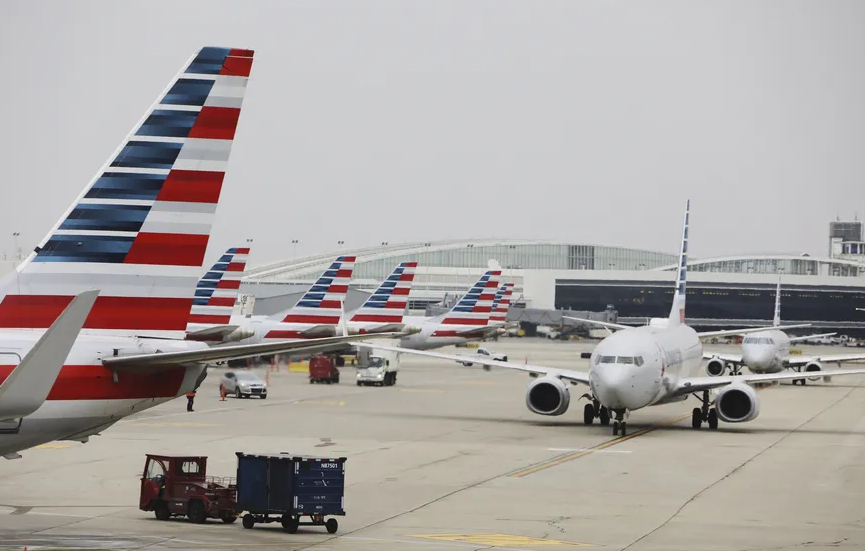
x,y
758,358
622,386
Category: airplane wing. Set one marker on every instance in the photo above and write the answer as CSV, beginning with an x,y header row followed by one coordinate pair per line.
x,y
161,360
828,359
567,374
27,387
726,358
606,324
697,384
806,337
732,332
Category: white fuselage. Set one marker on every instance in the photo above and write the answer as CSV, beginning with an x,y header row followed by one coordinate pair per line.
x,y
766,351
640,367
87,397
434,334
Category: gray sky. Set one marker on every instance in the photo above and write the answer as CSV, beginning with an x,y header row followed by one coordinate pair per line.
x,y
396,121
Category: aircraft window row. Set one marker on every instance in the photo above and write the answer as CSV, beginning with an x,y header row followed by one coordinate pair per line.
x,y
624,360
758,340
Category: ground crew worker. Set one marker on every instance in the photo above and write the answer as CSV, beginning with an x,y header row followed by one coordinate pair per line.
x,y
190,397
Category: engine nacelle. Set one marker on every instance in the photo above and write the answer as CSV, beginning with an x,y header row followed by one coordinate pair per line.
x,y
239,334
737,403
548,396
815,366
715,367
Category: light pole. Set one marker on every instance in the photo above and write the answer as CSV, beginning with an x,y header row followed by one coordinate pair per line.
x,y
294,243
340,243
15,236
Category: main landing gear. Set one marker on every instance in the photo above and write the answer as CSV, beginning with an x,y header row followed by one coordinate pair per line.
x,y
704,413
595,411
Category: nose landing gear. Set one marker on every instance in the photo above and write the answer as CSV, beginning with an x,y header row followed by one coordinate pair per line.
x,y
620,424
704,413
595,411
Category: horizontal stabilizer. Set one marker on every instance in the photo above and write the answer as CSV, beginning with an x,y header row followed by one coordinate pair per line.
x,y
148,363
214,333
28,385
601,323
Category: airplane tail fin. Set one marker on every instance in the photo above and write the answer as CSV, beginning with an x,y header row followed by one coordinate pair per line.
x,y
677,312
217,291
390,301
475,307
321,304
776,320
501,304
139,229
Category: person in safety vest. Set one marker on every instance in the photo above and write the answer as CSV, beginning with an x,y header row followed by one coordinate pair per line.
x,y
190,397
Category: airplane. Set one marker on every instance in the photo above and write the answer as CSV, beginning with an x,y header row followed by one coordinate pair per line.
x,y
768,351
315,315
637,367
467,320
138,234
215,296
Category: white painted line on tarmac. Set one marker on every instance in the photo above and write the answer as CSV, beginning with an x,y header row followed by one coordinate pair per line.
x,y
586,450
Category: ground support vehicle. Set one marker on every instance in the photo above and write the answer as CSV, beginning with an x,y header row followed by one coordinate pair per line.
x,y
179,486
323,369
377,367
285,488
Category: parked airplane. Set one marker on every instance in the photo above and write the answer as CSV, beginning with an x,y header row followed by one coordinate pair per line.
x,y
642,366
137,233
318,311
467,320
768,351
212,318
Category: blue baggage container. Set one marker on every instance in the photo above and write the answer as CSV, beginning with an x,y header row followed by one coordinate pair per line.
x,y
284,488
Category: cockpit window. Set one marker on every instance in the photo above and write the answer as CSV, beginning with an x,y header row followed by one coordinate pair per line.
x,y
639,361
623,360
607,359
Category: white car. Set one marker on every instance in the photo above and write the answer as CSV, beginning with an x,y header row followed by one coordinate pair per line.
x,y
488,354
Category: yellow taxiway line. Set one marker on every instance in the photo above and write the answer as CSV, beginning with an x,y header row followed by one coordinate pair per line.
x,y
601,446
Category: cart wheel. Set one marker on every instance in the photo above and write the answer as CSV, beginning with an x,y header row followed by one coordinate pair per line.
x,y
248,522
290,524
197,513
161,510
331,525
228,517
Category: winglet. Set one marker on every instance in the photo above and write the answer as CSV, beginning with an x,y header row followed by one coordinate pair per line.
x,y
28,385
677,312
776,321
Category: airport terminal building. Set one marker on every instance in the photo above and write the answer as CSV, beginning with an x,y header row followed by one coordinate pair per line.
x,y
722,292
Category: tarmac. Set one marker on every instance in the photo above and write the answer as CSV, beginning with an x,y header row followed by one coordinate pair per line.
x,y
451,459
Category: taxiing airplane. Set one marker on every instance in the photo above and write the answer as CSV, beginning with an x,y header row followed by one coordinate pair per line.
x,y
643,366
768,351
138,233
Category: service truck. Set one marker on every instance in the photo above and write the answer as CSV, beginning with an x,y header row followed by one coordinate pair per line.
x,y
377,367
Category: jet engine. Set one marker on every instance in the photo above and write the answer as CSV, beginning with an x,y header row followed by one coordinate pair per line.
x,y
239,334
814,366
737,403
715,367
548,396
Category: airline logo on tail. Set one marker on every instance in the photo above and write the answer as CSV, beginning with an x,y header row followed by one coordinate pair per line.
x,y
501,304
476,306
388,303
322,303
217,291
140,229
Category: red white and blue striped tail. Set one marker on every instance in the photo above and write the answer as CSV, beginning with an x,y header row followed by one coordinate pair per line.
x,y
476,306
139,230
388,303
501,304
322,302
217,291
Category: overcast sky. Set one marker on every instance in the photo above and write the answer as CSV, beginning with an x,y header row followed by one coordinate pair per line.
x,y
585,122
